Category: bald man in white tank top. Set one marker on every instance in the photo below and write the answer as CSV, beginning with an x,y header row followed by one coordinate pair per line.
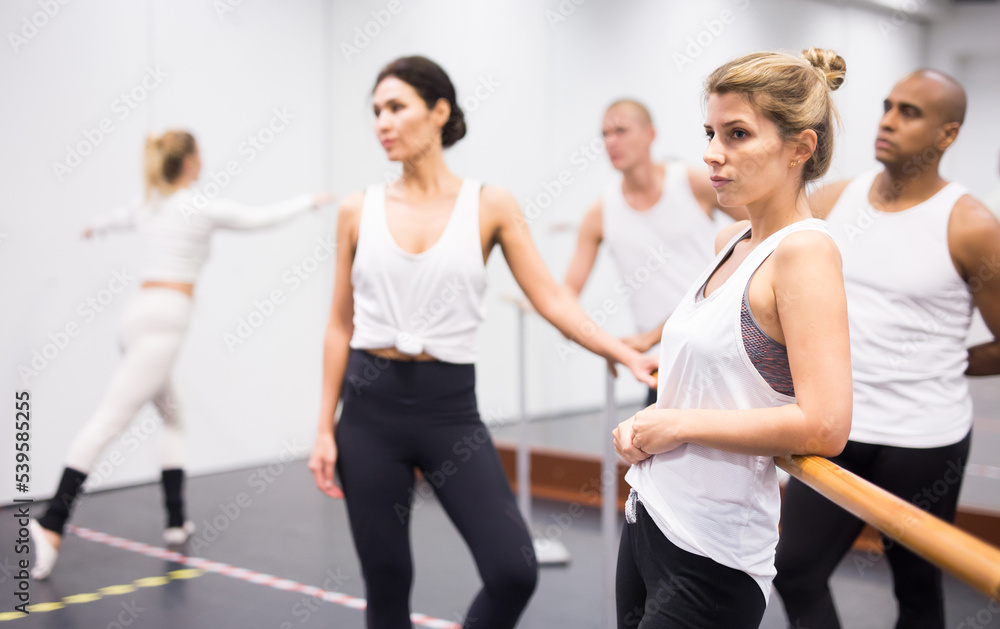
x,y
919,255
658,222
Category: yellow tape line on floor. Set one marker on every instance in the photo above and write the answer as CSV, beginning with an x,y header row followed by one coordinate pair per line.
x,y
111,590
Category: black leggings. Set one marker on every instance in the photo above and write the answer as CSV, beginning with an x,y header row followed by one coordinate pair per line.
x,y
398,416
651,396
816,534
661,586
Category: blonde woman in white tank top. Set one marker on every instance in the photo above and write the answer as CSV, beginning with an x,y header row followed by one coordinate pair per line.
x,y
754,362
400,352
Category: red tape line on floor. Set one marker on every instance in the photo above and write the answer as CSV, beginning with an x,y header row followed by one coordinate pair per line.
x,y
243,574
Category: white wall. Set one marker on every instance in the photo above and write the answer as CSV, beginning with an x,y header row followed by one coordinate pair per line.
x,y
221,76
964,43
545,71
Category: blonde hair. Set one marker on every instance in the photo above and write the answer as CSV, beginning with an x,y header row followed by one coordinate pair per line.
x,y
793,92
164,159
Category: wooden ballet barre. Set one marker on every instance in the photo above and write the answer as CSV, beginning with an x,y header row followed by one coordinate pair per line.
x,y
968,558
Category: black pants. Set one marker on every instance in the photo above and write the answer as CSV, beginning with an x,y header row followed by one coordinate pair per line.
x,y
816,534
660,586
398,416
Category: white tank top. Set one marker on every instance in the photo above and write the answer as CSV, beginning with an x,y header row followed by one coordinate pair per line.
x,y
717,504
910,313
420,302
658,251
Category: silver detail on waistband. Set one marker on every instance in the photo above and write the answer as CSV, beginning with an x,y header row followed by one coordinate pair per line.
x,y
630,506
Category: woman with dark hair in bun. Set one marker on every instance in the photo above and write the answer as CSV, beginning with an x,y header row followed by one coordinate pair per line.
x,y
400,352
754,362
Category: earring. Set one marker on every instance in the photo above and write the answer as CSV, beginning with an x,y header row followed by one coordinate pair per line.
x,y
795,163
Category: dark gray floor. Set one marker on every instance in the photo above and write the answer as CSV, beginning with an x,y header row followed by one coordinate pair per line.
x,y
290,530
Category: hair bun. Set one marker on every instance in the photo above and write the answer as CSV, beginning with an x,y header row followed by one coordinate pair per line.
x,y
830,65
153,141
454,128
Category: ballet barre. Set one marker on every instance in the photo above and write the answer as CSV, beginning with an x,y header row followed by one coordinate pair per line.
x,y
609,506
548,552
953,550
609,475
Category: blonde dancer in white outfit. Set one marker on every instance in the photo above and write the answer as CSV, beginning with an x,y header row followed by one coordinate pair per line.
x,y
176,226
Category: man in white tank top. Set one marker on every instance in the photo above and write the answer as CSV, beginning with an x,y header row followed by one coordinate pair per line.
x,y
657,222
919,255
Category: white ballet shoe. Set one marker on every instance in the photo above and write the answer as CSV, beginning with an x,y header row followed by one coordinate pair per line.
x,y
45,553
178,534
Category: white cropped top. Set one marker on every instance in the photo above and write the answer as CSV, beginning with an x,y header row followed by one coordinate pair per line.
x,y
431,301
176,231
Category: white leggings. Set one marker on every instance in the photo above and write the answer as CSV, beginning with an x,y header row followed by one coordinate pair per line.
x,y
150,333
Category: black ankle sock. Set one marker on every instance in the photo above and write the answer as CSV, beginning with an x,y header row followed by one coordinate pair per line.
x,y
173,496
62,503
